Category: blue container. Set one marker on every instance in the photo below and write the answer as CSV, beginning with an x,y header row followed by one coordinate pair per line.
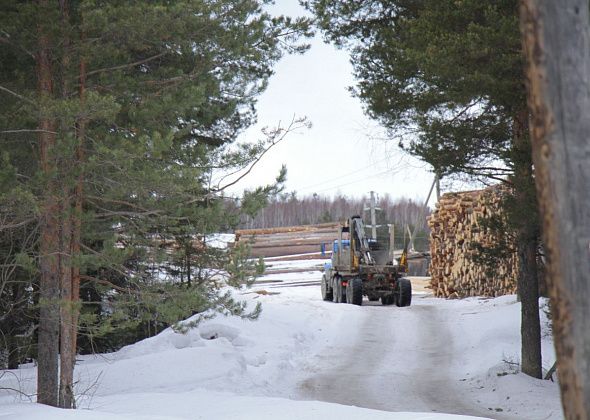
x,y
345,244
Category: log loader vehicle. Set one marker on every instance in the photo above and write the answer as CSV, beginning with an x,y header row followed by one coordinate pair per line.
x,y
363,266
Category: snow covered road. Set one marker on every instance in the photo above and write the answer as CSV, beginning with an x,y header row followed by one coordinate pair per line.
x,y
436,356
392,359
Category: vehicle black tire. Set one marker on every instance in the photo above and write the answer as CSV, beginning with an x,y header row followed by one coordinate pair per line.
x,y
354,291
387,300
373,298
327,292
404,287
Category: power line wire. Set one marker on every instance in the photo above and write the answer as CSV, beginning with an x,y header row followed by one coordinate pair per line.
x,y
357,181
312,186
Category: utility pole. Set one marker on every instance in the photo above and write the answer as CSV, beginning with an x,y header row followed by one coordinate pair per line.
x,y
373,217
422,210
392,241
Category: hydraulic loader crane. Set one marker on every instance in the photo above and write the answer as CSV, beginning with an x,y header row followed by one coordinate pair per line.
x,y
363,266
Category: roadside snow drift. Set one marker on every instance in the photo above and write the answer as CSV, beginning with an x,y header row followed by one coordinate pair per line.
x,y
306,359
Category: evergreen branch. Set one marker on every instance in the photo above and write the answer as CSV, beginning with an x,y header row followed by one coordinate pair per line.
x,y
170,81
107,283
466,109
109,213
24,98
488,175
113,201
115,269
123,66
489,168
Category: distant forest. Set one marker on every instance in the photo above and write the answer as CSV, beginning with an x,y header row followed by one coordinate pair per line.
x,y
290,210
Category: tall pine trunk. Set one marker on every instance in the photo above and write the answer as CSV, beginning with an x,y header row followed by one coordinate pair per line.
x,y
527,236
77,219
66,354
67,309
48,344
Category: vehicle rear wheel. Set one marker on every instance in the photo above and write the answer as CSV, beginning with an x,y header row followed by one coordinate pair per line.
x,y
354,291
327,292
404,289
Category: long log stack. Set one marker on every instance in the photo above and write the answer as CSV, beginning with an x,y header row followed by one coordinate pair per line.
x,y
293,240
456,226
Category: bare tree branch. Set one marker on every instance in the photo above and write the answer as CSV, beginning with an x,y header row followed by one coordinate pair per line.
x,y
7,41
277,135
16,225
27,131
123,66
24,98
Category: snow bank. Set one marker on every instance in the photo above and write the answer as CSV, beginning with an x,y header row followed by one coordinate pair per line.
x,y
228,368
210,405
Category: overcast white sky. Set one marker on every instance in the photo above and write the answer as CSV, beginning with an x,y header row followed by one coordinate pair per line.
x,y
338,154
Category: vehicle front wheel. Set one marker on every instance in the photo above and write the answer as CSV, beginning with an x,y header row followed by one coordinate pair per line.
x,y
404,292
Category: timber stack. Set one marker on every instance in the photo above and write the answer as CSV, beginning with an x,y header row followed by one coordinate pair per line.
x,y
290,241
458,231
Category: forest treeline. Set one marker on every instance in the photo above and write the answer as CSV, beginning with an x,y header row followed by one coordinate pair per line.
x,y
290,210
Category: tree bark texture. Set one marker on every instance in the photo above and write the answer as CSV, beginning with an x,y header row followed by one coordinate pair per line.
x,y
67,222
556,40
526,243
48,342
530,323
76,224
67,354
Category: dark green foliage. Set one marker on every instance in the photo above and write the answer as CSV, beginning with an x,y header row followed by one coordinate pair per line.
x,y
17,295
498,252
167,88
444,76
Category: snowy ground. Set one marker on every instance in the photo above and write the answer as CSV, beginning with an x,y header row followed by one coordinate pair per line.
x,y
307,359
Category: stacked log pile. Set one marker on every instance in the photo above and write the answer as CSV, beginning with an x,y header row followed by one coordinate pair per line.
x,y
457,225
293,240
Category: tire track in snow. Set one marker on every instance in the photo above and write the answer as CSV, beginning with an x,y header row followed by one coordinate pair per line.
x,y
378,363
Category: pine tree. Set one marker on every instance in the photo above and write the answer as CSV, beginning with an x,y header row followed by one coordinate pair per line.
x,y
446,77
119,107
